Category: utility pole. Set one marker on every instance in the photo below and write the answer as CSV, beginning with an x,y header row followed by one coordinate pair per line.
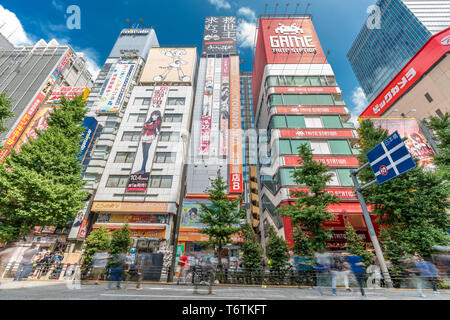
x,y
373,235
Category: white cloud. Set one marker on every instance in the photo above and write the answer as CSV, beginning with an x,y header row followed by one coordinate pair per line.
x,y
220,4
247,13
57,5
12,29
360,104
246,28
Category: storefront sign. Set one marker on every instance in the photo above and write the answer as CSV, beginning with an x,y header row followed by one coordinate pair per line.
x,y
131,218
219,36
318,133
328,161
310,110
26,118
133,207
196,236
235,156
50,229
113,93
147,234
342,194
422,61
305,90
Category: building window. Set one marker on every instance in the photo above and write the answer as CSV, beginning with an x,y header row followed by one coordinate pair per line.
x,y
173,117
117,181
340,147
161,181
124,157
169,136
165,157
111,124
427,95
137,117
131,136
142,101
176,101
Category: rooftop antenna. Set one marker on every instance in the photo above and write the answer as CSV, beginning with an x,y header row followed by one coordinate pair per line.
x,y
287,5
129,23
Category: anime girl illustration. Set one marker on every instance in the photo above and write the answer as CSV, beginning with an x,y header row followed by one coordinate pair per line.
x,y
149,133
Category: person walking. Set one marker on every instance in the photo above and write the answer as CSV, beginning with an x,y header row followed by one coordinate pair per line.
x,y
374,279
184,264
426,272
339,270
357,266
26,264
322,263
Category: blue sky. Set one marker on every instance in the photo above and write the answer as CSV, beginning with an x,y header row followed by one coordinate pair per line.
x,y
180,23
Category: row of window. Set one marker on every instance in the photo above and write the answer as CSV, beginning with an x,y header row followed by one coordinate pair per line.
x,y
339,177
163,136
116,181
160,157
175,101
303,99
294,121
290,146
303,81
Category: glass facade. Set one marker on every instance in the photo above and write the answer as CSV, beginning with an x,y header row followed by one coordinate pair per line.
x,y
377,55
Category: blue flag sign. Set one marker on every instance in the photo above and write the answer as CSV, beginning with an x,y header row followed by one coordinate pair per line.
x,y
390,159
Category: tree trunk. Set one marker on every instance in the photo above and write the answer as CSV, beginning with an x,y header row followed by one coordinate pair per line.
x,y
219,255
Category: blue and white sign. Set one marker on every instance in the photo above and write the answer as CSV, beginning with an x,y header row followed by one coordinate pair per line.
x,y
390,159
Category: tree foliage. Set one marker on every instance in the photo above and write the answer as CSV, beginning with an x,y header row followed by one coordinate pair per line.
x,y
310,210
356,245
276,251
42,184
120,241
252,253
411,207
441,128
301,243
221,217
5,111
97,241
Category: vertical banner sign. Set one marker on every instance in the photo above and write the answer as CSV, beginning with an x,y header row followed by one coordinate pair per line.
x,y
214,145
149,136
207,109
113,93
26,118
235,154
219,36
224,107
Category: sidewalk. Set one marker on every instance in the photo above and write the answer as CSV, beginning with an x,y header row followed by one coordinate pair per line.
x,y
10,284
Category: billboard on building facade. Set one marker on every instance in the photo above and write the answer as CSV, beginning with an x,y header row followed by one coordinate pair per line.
x,y
140,176
169,65
207,108
68,93
224,107
416,143
113,93
219,36
28,116
235,155
215,115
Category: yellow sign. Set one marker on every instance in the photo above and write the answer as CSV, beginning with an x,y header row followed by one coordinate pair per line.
x,y
140,207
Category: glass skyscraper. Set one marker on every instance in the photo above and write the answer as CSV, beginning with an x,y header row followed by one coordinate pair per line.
x,y
378,54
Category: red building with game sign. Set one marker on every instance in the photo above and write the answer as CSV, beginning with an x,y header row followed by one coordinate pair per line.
x,y
298,101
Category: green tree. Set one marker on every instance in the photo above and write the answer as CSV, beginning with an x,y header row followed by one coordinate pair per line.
x,y
42,184
97,241
411,208
441,128
120,241
252,253
301,243
5,111
310,210
276,251
356,245
221,217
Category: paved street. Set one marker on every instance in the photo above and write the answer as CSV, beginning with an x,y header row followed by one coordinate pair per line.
x,y
45,290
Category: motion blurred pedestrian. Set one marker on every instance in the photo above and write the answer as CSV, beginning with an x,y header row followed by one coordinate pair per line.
x,y
322,263
374,279
357,266
426,272
339,270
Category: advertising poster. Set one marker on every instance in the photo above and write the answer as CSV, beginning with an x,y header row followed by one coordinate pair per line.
x,y
169,65
28,116
68,93
190,216
116,88
219,36
83,229
416,143
141,173
224,107
207,108
215,116
90,123
88,153
235,155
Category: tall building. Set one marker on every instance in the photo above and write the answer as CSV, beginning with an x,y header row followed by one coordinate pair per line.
x,y
379,52
216,135
107,103
29,74
297,101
